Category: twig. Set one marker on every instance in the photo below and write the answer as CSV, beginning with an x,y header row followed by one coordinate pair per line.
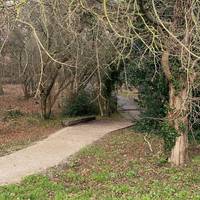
x,y
149,144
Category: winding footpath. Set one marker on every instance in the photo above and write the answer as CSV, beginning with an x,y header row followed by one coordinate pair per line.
x,y
54,150
57,148
128,108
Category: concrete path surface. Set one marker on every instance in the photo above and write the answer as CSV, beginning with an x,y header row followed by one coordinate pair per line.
x,y
54,150
128,108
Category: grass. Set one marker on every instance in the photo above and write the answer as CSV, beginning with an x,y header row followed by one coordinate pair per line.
x,y
118,167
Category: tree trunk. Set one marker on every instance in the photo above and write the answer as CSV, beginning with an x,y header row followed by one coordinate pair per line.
x,y
43,104
46,105
1,89
100,104
177,115
178,119
179,154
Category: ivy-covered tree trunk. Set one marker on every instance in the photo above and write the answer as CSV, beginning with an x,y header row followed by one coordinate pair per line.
x,y
178,119
177,115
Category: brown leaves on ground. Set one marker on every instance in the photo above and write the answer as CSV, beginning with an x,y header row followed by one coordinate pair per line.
x,y
24,128
13,99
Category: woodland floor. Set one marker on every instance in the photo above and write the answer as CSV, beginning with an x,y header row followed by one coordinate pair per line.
x,y
20,122
120,166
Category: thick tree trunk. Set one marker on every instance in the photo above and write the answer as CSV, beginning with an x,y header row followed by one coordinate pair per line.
x,y
177,115
179,154
178,119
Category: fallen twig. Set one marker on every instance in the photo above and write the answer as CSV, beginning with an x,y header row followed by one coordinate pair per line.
x,y
149,144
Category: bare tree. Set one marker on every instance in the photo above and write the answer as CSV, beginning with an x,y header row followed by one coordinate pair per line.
x,y
74,46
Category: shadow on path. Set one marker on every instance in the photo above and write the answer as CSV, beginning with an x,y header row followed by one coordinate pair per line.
x,y
128,108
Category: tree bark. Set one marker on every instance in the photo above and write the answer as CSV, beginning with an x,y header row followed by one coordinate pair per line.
x,y
178,119
43,104
1,89
179,154
46,106
177,115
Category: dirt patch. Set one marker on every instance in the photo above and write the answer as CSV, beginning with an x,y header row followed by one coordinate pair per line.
x,y
16,137
13,99
20,122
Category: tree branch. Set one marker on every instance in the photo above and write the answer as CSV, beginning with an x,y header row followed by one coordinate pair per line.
x,y
147,15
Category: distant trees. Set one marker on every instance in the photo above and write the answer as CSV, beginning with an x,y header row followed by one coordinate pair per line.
x,y
72,47
7,18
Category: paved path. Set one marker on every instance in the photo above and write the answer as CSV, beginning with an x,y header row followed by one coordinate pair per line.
x,y
128,108
53,150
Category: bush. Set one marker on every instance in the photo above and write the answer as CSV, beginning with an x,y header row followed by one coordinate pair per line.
x,y
152,86
13,113
80,105
153,100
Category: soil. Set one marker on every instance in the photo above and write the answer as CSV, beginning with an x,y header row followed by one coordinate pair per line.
x,y
20,122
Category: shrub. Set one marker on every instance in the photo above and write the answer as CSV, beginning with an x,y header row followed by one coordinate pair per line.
x,y
13,113
80,105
